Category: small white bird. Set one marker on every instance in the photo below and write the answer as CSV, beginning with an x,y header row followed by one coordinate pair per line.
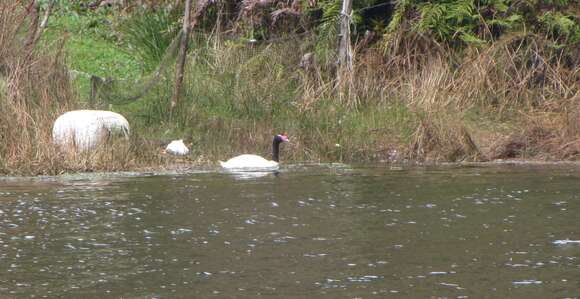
x,y
177,147
254,162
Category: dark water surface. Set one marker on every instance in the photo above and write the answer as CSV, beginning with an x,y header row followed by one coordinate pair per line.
x,y
309,232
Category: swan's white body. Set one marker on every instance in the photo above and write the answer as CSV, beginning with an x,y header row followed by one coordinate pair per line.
x,y
249,163
86,129
177,147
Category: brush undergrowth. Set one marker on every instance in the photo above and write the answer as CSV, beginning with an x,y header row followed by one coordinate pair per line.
x,y
394,109
236,98
35,88
410,98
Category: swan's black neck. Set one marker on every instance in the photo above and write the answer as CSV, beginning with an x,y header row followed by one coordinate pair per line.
x,y
275,149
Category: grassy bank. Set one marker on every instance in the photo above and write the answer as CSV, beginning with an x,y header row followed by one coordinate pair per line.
x,y
36,86
410,99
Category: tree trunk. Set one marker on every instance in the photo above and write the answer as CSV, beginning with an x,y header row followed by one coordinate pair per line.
x,y
181,58
344,48
33,27
44,22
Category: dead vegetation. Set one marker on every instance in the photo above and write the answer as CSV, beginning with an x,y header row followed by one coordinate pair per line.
x,y
35,88
437,139
545,135
519,82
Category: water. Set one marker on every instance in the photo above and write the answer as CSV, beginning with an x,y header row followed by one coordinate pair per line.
x,y
309,232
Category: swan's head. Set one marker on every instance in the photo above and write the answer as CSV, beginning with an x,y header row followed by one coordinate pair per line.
x,y
281,138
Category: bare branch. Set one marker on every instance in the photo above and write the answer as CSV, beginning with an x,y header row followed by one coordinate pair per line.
x,y
44,22
181,58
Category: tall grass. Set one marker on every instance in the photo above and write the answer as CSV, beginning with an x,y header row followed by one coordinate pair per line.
x,y
35,88
515,84
416,102
410,99
148,34
237,97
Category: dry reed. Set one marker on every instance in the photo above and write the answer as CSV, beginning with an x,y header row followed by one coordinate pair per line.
x,y
35,88
519,81
409,98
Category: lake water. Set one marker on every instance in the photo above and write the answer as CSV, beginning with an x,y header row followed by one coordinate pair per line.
x,y
318,231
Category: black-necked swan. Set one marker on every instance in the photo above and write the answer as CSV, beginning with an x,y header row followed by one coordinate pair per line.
x,y
254,162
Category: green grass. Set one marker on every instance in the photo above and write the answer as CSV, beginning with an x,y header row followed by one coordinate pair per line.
x,y
236,97
91,51
420,104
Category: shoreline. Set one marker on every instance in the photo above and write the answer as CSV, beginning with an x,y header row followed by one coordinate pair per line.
x,y
198,168
407,104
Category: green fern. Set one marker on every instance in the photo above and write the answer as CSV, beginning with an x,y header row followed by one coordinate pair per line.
x,y
331,12
463,12
560,26
499,5
328,28
449,21
509,22
401,9
560,3
469,38
327,31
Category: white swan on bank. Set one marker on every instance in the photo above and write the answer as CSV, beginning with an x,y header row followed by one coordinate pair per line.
x,y
86,129
177,148
254,162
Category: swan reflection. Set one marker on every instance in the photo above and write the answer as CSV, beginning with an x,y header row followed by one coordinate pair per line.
x,y
250,175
